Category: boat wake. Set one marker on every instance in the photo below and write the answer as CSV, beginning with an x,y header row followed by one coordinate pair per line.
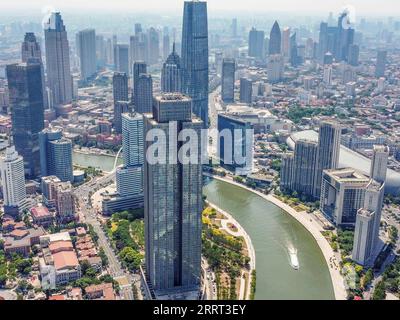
x,y
294,260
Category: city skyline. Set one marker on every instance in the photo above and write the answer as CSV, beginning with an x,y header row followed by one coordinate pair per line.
x,y
366,7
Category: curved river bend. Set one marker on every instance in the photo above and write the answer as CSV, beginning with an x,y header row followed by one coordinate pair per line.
x,y
272,232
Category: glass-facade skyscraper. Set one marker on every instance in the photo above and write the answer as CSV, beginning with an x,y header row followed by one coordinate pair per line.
x,y
195,56
173,201
275,40
57,60
27,112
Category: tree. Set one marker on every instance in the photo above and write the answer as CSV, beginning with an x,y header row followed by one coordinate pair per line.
x,y
380,291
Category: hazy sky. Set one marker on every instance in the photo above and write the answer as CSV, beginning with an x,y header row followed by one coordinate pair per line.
x,y
364,7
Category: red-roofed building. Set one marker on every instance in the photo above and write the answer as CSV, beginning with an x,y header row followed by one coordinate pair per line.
x,y
42,216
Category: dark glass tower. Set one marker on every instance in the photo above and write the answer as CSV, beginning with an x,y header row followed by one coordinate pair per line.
x,y
195,56
27,113
275,39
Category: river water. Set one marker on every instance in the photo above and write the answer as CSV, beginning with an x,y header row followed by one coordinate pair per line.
x,y
272,232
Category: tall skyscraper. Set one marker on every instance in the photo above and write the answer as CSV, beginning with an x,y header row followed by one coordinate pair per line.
x,y
256,43
120,87
173,201
380,63
55,155
86,45
27,112
228,80
154,46
171,74
304,165
379,163
144,98
328,151
275,39
286,42
195,56
59,77
139,67
122,58
354,53
13,181
234,28
293,55
32,54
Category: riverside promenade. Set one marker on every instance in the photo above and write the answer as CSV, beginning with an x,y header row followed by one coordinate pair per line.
x,y
250,248
315,230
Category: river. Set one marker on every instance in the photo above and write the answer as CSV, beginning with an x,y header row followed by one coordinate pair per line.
x,y
272,231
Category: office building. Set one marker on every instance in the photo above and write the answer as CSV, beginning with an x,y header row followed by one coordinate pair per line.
x,y
58,69
144,98
171,74
195,56
86,47
275,68
286,42
342,195
228,80
48,186
27,113
132,139
64,201
235,144
154,46
120,107
246,90
354,53
13,182
120,87
166,46
31,53
173,201
55,155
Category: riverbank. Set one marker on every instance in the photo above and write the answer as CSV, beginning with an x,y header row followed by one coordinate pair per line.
x,y
313,227
244,292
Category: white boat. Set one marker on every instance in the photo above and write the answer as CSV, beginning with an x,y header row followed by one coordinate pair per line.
x,y
294,261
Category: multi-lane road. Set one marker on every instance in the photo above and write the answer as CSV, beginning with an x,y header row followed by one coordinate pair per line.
x,y
89,216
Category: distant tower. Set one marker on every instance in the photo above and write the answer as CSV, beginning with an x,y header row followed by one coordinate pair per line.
x,y
59,76
122,58
144,99
275,39
27,112
120,87
32,54
171,74
256,43
379,163
228,80
86,44
154,46
380,63
246,90
139,67
195,56
13,181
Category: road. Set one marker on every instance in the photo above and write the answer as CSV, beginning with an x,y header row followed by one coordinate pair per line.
x,y
89,216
